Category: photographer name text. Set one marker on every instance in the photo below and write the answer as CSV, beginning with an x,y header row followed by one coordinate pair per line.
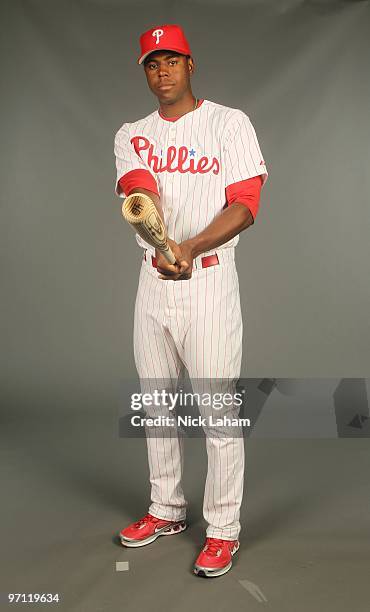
x,y
188,421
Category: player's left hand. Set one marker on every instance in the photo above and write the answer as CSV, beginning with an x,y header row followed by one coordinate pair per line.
x,y
182,269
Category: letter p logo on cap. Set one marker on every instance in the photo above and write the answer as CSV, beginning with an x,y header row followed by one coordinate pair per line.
x,y
157,34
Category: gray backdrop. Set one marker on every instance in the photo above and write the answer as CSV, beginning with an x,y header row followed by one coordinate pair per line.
x,y
69,277
70,265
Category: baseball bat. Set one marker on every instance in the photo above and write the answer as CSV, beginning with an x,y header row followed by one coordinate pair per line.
x,y
140,212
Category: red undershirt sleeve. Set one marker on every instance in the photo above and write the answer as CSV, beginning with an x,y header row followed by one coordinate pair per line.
x,y
138,178
246,192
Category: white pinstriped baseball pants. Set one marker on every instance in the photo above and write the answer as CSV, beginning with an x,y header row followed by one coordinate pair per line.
x,y
196,323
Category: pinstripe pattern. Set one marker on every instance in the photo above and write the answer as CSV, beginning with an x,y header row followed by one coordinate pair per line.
x,y
196,323
176,326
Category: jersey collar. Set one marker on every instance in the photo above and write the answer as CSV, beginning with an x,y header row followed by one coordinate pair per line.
x,y
200,102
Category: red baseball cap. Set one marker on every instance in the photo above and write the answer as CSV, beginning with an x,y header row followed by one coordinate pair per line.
x,y
168,36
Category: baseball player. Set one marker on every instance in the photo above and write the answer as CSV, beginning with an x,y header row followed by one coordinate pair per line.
x,y
201,164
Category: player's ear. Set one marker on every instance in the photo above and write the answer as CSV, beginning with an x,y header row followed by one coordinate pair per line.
x,y
191,65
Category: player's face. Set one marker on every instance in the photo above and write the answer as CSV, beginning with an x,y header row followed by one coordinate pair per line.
x,y
168,75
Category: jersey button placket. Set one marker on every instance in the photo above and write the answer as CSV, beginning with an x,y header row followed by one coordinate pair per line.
x,y
172,135
171,142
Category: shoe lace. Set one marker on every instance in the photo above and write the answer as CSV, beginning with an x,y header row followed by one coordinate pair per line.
x,y
213,546
146,519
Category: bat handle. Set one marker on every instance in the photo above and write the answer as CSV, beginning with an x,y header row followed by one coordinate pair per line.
x,y
168,254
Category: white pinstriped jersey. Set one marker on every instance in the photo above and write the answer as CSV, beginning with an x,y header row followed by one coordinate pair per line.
x,y
192,159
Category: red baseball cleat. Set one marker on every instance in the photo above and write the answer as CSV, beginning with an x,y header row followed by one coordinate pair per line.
x,y
148,529
215,558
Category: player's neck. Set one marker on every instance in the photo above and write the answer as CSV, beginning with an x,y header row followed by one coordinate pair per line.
x,y
180,108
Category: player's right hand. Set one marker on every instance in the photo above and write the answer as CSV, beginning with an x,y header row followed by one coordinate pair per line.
x,y
169,271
